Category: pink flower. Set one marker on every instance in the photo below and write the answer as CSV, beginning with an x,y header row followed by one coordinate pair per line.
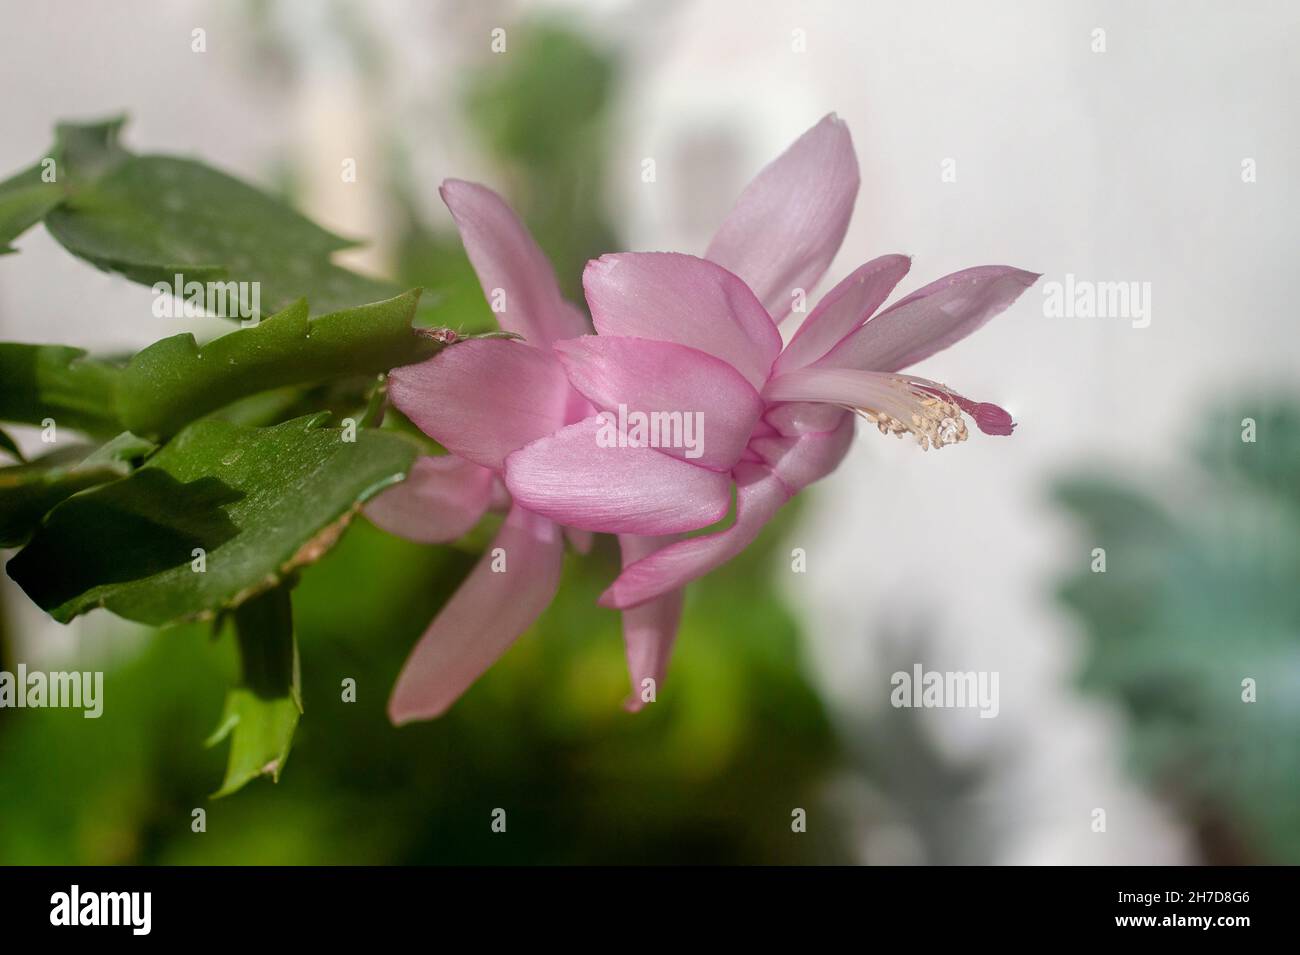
x,y
483,399
676,333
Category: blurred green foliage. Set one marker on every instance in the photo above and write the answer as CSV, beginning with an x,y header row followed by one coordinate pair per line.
x,y
541,112
1199,594
709,773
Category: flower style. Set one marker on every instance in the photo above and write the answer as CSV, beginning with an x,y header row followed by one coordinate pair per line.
x,y
676,333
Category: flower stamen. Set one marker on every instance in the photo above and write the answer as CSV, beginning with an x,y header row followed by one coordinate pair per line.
x,y
895,403
932,420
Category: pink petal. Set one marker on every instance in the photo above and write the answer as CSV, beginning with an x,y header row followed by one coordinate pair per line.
x,y
440,500
579,540
930,319
506,258
759,494
843,309
790,220
483,618
800,460
643,375
571,479
484,398
649,629
678,298
789,463
791,419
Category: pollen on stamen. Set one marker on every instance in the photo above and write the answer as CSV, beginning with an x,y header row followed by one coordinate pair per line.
x,y
933,421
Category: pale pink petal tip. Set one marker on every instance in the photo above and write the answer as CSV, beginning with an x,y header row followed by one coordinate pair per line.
x,y
789,222
650,629
510,265
441,499
930,319
759,493
494,605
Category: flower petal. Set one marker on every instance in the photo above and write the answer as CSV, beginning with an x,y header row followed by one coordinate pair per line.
x,y
759,494
644,376
649,629
483,618
842,309
579,540
788,464
508,261
484,398
799,460
672,297
790,220
793,418
440,500
930,319
574,480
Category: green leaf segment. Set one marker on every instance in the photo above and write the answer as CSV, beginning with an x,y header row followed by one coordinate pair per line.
x,y
180,508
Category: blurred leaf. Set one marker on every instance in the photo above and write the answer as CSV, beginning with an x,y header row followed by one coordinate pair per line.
x,y
1270,461
543,110
1112,507
128,780
1199,595
10,446
261,713
24,201
54,381
87,150
28,491
553,82
79,151
260,502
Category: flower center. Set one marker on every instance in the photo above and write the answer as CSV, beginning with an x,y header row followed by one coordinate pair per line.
x,y
895,403
933,421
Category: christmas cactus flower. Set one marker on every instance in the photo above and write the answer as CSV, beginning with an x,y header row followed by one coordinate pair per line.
x,y
682,339
542,427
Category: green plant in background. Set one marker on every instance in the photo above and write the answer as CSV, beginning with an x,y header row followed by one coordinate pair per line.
x,y
542,114
222,449
709,773
1194,627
